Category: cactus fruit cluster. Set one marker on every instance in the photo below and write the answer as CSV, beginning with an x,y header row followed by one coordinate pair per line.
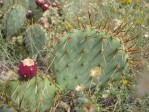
x,y
82,58
44,5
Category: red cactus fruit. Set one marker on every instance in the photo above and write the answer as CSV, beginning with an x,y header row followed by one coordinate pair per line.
x,y
27,68
45,6
39,2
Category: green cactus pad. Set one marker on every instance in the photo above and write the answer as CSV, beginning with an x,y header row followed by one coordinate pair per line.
x,y
36,39
81,54
14,19
37,12
35,95
9,3
32,5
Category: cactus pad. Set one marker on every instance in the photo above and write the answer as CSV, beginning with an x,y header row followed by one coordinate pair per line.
x,y
14,19
35,95
9,3
36,39
85,56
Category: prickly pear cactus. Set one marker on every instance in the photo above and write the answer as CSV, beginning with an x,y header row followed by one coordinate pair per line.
x,y
35,95
14,19
85,56
36,39
8,3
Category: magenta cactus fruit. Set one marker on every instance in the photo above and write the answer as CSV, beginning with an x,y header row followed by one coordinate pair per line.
x,y
27,68
45,6
39,2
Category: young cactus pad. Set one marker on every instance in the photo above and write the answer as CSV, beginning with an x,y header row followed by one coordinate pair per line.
x,y
36,39
35,95
14,19
84,56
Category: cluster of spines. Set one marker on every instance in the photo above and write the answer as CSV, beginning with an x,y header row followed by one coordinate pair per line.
x,y
119,32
